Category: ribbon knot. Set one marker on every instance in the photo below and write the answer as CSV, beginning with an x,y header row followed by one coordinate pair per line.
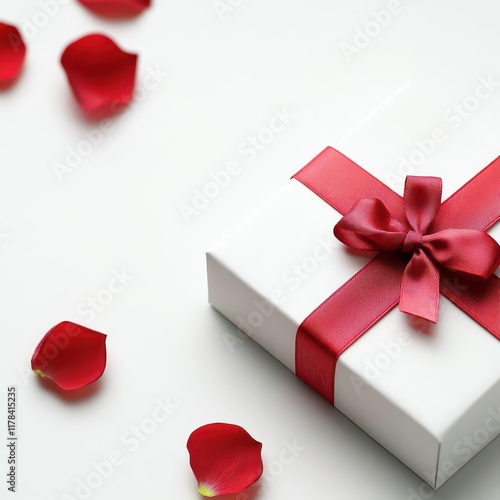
x,y
412,241
470,253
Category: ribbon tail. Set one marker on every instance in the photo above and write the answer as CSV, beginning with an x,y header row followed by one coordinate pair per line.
x,y
419,293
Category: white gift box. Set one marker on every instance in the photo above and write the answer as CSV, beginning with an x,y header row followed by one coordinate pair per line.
x,y
431,398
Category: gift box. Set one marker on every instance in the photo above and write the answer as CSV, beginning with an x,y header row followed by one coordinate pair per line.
x,y
423,381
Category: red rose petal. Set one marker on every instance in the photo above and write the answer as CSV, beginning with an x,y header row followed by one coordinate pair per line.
x,y
225,459
71,355
12,53
116,8
101,75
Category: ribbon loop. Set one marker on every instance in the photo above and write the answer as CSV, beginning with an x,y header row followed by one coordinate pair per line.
x,y
422,199
370,226
473,254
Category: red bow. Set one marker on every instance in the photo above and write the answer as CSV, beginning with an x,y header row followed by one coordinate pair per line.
x,y
424,242
468,252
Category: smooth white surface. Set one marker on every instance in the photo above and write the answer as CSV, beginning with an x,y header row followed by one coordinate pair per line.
x,y
120,209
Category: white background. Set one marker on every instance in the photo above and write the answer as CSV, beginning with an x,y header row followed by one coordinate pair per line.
x,y
224,75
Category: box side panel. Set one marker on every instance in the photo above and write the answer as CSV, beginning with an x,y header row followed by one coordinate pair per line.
x,y
430,377
474,430
252,313
387,423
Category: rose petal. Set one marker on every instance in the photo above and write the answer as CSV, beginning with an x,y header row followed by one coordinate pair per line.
x,y
71,355
225,459
12,53
101,75
116,8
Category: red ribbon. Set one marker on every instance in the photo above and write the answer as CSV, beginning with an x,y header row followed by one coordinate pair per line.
x,y
471,253
425,246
